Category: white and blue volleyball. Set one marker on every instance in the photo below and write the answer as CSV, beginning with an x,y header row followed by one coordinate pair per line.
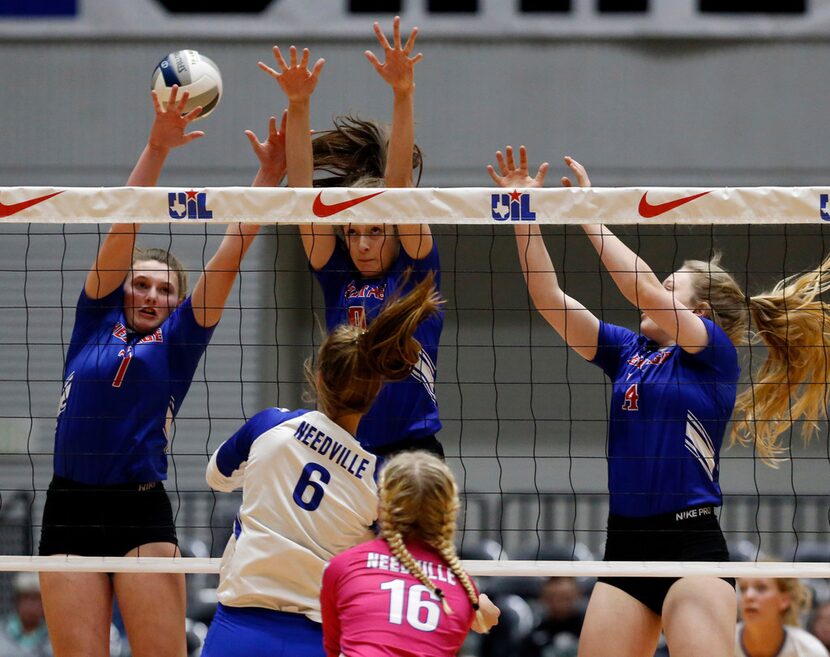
x,y
194,73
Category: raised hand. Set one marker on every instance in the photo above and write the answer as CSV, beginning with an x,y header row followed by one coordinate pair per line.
x,y
512,176
169,126
271,152
579,172
296,81
398,67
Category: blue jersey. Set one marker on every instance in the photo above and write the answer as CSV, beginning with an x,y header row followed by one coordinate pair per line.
x,y
121,392
403,409
669,411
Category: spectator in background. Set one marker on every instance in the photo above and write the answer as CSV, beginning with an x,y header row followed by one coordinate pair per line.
x,y
820,623
557,634
23,633
771,618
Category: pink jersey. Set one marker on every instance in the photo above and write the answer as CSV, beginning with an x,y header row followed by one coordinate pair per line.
x,y
372,606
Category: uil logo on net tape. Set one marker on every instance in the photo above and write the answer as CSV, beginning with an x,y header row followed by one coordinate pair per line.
x,y
188,205
513,206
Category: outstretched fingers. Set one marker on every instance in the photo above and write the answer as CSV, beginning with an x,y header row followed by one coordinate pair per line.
x,y
280,59
317,68
190,136
382,40
252,138
280,63
509,173
156,102
522,158
410,42
541,173
268,70
171,99
500,161
179,104
511,163
396,32
580,172
193,114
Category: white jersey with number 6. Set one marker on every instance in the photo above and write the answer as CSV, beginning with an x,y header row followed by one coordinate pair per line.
x,y
308,493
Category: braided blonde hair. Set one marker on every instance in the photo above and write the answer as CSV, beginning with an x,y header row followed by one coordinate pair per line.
x,y
419,499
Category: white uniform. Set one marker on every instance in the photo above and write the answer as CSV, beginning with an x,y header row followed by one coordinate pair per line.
x,y
308,493
797,643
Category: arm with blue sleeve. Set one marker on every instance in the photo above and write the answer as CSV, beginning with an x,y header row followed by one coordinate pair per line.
x,y
226,469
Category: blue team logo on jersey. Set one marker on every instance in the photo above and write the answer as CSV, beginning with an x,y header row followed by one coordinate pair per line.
x,y
513,207
823,210
188,205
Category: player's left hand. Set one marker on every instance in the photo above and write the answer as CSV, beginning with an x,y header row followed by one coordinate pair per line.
x,y
579,171
512,176
398,67
170,123
295,79
271,152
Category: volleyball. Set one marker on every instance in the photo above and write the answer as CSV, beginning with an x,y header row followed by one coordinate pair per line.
x,y
194,73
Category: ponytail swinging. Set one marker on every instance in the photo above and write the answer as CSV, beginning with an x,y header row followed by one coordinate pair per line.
x,y
353,363
792,383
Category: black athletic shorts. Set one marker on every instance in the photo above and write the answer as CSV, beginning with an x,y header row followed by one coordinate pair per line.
x,y
427,443
688,535
104,521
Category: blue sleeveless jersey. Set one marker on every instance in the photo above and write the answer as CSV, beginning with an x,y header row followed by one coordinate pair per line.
x,y
669,411
404,409
121,392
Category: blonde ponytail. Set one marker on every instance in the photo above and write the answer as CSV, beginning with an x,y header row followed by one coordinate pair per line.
x,y
792,383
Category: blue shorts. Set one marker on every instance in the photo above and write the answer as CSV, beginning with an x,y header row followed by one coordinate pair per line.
x,y
257,632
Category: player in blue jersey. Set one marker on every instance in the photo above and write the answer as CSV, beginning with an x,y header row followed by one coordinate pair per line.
x,y
136,343
308,487
357,273
674,390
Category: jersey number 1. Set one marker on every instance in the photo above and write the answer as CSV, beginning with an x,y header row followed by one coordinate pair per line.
x,y
126,357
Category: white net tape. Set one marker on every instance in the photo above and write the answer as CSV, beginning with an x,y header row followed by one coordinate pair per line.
x,y
470,205
507,568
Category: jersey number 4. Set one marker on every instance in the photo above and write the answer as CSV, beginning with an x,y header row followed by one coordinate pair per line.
x,y
422,613
631,399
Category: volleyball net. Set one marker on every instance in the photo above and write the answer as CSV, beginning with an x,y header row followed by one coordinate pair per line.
x,y
524,417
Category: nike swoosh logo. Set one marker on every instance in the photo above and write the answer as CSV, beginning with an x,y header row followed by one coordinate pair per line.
x,y
321,209
14,208
650,211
